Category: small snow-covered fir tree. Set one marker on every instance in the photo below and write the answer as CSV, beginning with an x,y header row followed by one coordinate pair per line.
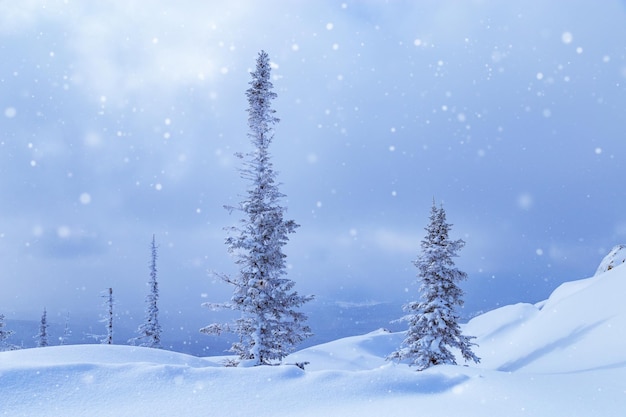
x,y
433,321
270,326
108,319
150,330
42,336
4,335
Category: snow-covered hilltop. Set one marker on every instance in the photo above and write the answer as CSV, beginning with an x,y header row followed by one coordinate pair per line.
x,y
564,356
615,257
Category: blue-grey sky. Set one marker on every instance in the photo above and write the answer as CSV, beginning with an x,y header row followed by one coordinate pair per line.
x,y
119,120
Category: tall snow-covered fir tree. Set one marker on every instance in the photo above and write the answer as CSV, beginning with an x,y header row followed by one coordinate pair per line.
x,y
433,321
269,325
150,330
42,336
4,335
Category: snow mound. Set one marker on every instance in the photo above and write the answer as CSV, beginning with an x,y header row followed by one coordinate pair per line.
x,y
616,257
100,354
580,327
351,353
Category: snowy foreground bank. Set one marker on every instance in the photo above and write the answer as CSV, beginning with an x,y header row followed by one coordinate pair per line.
x,y
563,357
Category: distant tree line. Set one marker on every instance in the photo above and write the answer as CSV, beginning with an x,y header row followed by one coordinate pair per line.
x,y
148,333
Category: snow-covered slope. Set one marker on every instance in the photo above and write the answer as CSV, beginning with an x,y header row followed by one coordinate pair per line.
x,y
562,357
582,326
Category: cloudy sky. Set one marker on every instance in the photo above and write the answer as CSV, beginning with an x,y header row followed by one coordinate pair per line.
x,y
118,122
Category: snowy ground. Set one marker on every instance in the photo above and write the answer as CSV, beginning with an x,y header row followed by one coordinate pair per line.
x,y
563,357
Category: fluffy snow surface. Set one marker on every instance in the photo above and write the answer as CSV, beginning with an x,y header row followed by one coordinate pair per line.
x,y
565,356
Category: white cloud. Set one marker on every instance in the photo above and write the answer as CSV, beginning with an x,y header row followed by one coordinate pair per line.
x,y
117,53
120,47
16,16
396,241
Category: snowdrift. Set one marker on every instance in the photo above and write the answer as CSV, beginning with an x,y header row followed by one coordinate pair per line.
x,y
564,356
581,327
